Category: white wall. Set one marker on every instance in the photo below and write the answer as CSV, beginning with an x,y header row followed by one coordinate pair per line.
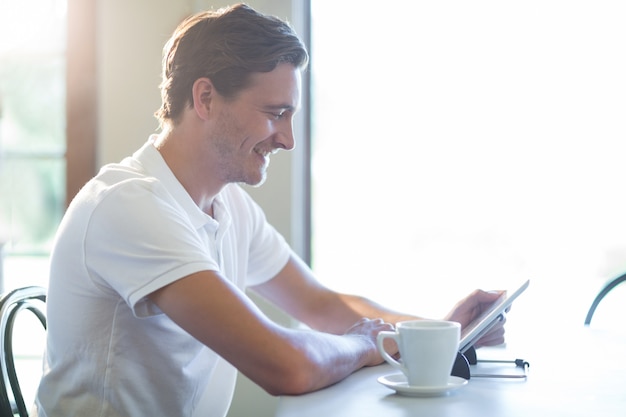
x,y
131,35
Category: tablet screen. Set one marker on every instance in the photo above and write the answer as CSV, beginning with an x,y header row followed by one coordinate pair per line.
x,y
481,324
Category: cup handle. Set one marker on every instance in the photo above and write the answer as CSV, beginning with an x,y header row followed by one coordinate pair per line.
x,y
379,341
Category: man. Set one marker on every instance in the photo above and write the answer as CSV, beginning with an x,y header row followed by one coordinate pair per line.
x,y
147,310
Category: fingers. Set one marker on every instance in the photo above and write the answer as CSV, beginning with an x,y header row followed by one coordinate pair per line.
x,y
492,338
368,325
481,297
473,305
370,328
495,336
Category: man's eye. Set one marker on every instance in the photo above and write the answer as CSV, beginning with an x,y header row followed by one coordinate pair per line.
x,y
278,114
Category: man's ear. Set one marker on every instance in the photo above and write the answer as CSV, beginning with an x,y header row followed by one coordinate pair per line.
x,y
203,94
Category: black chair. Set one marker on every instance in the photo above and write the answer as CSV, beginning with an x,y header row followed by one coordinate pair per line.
x,y
607,288
11,303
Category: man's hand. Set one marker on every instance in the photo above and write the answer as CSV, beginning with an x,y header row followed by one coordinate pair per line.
x,y
369,329
466,310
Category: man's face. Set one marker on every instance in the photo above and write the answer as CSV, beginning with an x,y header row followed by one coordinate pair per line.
x,y
255,124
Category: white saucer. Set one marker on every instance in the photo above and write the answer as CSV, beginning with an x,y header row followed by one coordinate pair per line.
x,y
399,383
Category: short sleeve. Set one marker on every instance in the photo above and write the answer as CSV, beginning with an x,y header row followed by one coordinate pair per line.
x,y
139,240
266,250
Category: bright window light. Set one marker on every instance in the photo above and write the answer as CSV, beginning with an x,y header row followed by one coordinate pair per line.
x,y
469,144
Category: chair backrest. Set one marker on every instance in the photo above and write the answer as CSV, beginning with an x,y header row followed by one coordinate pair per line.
x,y
11,303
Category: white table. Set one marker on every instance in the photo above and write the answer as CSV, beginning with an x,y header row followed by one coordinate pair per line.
x,y
588,380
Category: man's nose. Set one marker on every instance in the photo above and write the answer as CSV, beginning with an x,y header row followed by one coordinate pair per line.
x,y
285,138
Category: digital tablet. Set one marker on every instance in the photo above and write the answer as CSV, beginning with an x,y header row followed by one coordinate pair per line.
x,y
481,324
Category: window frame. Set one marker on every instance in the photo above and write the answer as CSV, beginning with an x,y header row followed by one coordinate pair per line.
x,y
82,95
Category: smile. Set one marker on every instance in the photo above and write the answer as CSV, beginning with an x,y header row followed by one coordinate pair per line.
x,y
266,153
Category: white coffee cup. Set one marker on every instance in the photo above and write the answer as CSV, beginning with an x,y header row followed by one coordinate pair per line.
x,y
428,349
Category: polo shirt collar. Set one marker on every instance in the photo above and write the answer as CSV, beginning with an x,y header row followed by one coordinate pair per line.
x,y
154,164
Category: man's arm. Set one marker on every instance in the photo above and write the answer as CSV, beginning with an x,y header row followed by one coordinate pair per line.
x,y
296,291
283,360
279,359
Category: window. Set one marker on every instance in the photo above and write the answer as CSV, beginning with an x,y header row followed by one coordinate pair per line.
x,y
460,144
32,131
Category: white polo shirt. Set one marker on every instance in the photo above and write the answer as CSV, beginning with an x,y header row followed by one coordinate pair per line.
x,y
132,230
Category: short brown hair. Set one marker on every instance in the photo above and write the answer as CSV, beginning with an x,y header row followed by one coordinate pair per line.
x,y
225,46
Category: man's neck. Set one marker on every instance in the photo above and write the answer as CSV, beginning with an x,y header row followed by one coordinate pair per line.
x,y
188,166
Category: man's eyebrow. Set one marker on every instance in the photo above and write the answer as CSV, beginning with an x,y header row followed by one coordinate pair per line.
x,y
287,107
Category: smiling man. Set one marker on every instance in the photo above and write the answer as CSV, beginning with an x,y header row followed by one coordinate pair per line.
x,y
147,309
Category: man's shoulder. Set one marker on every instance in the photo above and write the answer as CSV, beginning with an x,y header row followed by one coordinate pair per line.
x,y
116,186
118,180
